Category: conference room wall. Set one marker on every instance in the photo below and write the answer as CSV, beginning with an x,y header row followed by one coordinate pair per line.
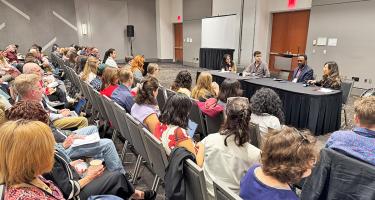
x,y
353,24
42,28
193,12
107,21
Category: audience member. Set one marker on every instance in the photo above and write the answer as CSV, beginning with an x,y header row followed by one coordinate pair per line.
x,y
229,88
145,108
97,82
359,142
11,54
7,71
205,88
287,156
90,70
257,68
172,129
109,58
182,83
331,76
22,166
122,95
228,154
267,110
153,70
104,149
137,67
28,88
303,72
109,81
227,64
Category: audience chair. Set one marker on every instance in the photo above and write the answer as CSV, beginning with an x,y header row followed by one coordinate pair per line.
x,y
195,182
346,88
107,102
99,102
139,145
161,98
213,123
338,176
223,193
157,155
120,115
255,138
197,116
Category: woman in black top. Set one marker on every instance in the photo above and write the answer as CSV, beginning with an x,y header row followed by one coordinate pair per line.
x,y
228,64
331,77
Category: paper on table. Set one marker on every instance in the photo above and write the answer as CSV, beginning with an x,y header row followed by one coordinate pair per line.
x,y
89,139
325,90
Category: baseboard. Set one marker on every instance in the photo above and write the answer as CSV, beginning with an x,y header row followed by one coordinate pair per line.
x,y
165,60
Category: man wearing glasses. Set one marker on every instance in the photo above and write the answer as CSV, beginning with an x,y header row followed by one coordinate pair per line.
x,y
303,72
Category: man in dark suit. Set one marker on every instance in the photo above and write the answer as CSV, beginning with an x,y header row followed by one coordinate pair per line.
x,y
303,72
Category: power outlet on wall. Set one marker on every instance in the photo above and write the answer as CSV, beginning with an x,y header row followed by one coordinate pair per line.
x,y
356,79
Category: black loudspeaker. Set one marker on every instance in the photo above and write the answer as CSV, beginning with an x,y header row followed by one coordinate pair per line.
x,y
130,30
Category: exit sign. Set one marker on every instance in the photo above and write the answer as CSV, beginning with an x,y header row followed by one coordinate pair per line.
x,y
292,4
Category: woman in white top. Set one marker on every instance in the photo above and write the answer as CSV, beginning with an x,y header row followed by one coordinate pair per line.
x,y
228,154
90,70
109,58
267,110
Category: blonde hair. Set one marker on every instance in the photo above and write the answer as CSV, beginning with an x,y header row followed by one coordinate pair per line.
x,y
151,68
204,85
24,83
91,66
137,63
26,149
125,75
365,110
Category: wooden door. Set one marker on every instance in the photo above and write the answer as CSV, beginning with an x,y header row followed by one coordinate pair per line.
x,y
289,34
178,42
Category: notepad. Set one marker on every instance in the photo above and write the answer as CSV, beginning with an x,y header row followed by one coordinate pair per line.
x,y
89,139
325,90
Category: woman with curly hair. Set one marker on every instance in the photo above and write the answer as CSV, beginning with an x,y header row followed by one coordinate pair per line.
x,y
145,109
230,147
287,156
331,76
267,110
137,67
182,83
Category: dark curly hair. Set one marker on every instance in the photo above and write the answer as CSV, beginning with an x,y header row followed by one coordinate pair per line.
x,y
237,121
229,88
183,80
266,100
287,154
29,110
145,93
176,111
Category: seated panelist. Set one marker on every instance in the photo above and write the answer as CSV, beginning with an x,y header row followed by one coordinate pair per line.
x,y
303,72
331,77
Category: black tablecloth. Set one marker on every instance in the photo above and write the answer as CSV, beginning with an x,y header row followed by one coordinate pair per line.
x,y
211,58
304,107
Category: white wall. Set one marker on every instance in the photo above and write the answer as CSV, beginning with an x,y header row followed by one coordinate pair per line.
x,y
176,10
164,30
282,5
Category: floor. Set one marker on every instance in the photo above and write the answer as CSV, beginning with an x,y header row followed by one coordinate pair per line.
x,y
166,77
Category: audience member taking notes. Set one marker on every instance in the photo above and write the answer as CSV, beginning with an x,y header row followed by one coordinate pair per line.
x,y
257,68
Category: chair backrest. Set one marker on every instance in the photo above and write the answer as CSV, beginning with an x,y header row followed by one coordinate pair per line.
x,y
162,97
135,133
213,123
346,88
255,138
100,104
120,114
224,193
197,116
194,180
156,152
108,106
92,97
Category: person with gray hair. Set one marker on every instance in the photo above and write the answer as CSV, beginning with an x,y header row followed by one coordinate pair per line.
x,y
267,110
